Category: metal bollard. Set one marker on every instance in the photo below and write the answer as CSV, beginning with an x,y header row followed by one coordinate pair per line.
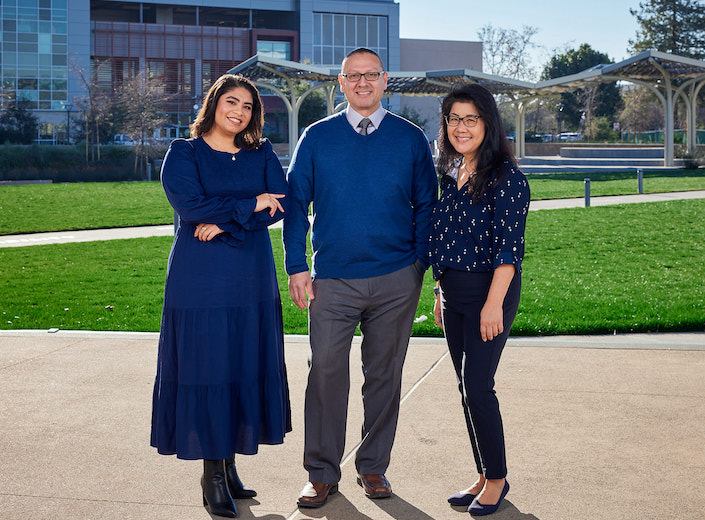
x,y
640,180
587,193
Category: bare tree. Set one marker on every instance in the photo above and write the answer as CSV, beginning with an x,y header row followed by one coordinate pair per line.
x,y
540,117
142,99
642,110
95,104
505,51
587,98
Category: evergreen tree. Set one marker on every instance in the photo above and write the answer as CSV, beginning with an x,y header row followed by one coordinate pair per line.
x,y
18,125
599,101
675,26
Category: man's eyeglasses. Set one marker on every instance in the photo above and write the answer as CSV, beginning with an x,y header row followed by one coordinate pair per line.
x,y
469,121
354,77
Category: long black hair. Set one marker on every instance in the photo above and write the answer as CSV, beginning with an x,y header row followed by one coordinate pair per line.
x,y
250,137
495,147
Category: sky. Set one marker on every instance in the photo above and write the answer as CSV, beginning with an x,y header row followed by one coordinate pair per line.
x,y
606,25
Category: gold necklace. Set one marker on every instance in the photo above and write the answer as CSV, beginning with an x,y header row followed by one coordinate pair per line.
x,y
217,149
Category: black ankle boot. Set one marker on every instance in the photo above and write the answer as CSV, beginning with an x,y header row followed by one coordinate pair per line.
x,y
237,490
216,497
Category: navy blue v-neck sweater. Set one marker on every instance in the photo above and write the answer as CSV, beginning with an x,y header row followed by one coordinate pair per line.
x,y
372,198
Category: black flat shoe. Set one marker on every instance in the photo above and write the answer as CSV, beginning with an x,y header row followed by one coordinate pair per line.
x,y
478,509
461,498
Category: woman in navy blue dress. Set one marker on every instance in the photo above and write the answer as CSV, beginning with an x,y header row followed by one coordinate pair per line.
x,y
221,385
476,251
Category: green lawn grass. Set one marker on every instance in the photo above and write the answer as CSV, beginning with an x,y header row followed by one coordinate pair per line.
x,y
569,185
33,208
627,268
63,207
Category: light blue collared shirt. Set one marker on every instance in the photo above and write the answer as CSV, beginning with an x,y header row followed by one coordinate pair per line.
x,y
376,117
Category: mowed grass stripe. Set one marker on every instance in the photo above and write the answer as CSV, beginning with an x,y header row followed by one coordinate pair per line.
x,y
34,208
626,268
571,185
64,207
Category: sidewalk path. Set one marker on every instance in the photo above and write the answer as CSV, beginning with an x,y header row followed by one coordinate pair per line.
x,y
89,235
616,199
592,424
63,237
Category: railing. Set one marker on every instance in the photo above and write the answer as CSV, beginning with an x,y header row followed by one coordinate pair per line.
x,y
639,182
656,136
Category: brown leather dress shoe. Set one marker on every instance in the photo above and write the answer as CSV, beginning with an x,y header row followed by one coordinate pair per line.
x,y
315,494
375,485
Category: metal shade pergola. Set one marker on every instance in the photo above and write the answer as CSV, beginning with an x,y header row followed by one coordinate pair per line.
x,y
668,76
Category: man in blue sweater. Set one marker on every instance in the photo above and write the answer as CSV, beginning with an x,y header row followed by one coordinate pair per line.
x,y
371,179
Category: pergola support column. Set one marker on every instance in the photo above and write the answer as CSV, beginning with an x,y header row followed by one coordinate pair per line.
x,y
694,115
695,87
289,109
689,92
330,99
519,138
668,116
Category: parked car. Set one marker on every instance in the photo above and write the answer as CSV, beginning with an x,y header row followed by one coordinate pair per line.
x,y
571,136
124,139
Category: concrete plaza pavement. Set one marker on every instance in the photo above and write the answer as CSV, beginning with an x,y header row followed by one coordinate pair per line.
x,y
62,237
597,427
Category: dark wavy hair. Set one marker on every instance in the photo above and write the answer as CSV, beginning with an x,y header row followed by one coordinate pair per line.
x,y
250,137
495,147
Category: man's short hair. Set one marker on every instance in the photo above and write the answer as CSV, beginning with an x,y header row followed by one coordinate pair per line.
x,y
361,50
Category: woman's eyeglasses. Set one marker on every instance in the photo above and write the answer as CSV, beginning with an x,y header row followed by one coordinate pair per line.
x,y
469,121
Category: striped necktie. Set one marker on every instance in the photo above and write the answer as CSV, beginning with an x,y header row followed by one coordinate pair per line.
x,y
363,125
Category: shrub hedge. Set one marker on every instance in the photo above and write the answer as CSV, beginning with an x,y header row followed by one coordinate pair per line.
x,y
68,163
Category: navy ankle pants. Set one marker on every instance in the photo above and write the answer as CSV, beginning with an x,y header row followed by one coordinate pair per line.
x,y
462,296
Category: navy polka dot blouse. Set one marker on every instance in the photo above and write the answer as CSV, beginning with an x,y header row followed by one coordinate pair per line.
x,y
480,236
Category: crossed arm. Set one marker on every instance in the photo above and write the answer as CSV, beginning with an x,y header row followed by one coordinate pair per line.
x,y
265,201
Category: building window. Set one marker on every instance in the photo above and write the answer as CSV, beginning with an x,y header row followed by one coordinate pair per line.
x,y
286,20
34,64
212,70
224,17
335,35
279,50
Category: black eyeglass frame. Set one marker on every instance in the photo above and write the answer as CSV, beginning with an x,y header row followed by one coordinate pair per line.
x,y
470,121
354,77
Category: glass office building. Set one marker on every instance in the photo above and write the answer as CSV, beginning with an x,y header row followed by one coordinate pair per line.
x,y
50,47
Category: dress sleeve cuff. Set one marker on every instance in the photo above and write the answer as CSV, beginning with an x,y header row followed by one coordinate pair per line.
x,y
244,209
234,234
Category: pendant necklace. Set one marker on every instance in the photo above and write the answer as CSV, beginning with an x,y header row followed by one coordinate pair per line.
x,y
465,172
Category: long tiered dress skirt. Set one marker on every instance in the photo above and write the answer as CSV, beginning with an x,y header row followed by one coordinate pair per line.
x,y
221,385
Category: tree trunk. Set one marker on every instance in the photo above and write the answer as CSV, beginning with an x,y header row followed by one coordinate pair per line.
x,y
86,138
97,138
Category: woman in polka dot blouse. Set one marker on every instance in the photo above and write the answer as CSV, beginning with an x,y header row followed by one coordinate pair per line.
x,y
476,250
